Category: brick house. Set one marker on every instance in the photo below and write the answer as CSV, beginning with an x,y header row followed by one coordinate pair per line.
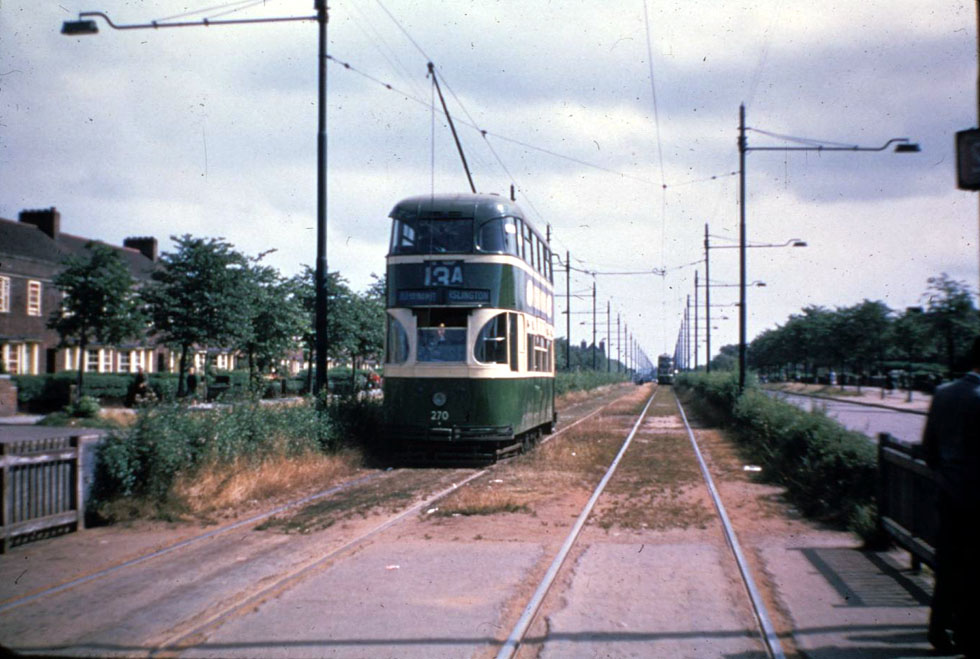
x,y
31,254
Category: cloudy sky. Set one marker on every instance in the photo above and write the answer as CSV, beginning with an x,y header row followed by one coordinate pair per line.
x,y
616,121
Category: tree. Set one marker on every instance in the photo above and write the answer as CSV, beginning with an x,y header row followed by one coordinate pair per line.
x,y
909,333
98,304
952,315
863,328
199,298
277,318
726,359
344,318
369,312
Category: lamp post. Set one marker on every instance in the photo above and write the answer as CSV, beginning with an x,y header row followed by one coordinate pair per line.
x,y
86,25
902,145
792,242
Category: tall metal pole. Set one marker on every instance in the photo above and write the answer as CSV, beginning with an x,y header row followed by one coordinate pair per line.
x,y
322,345
568,310
695,320
608,336
687,334
619,346
741,247
593,326
707,302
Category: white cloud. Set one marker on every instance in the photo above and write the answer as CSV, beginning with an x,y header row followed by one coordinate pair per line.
x,y
213,131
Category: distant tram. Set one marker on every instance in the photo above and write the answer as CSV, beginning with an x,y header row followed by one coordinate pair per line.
x,y
665,369
469,355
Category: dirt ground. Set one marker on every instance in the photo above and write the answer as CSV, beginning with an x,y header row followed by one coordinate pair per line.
x,y
656,500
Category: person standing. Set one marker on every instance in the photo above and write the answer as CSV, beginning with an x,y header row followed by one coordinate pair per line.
x,y
951,442
192,383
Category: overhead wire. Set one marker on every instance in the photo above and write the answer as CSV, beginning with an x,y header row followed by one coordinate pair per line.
x,y
660,155
384,49
807,141
255,3
208,10
487,133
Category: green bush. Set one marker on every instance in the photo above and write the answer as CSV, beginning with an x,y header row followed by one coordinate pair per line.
x,y
829,472
85,408
566,381
45,393
144,459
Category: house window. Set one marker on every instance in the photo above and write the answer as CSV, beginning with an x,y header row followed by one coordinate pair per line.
x,y
124,361
15,358
33,298
4,294
91,361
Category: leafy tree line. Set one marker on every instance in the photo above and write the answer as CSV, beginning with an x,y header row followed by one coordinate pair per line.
x,y
870,338
580,357
206,294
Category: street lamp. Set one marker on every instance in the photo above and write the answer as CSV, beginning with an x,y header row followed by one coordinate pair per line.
x,y
903,145
792,242
85,25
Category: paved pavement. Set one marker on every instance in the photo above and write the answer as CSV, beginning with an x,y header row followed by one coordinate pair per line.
x,y
871,396
870,412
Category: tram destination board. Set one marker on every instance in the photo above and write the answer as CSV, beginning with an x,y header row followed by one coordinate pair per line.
x,y
421,297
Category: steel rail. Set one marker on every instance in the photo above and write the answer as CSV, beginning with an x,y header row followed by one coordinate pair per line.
x,y
10,604
527,617
175,641
769,636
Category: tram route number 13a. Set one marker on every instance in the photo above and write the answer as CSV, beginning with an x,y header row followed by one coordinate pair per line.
x,y
444,273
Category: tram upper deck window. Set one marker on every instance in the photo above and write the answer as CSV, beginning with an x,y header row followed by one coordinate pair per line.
x,y
432,236
441,335
498,235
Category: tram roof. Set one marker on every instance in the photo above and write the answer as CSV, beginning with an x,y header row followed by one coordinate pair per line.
x,y
448,206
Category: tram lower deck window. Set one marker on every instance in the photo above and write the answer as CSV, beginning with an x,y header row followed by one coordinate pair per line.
x,y
441,335
538,353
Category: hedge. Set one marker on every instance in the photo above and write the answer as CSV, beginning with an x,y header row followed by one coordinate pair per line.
x,y
566,381
829,472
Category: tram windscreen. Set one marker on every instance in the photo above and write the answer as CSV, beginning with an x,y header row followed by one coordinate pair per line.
x,y
432,236
441,335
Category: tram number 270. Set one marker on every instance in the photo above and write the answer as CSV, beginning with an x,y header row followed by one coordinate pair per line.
x,y
439,415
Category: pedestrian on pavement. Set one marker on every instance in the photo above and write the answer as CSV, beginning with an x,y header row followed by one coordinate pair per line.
x,y
192,383
951,442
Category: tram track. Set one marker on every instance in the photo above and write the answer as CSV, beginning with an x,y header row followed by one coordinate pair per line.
x,y
767,634
181,633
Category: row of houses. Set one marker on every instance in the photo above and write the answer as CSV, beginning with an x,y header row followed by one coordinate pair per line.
x,y
32,252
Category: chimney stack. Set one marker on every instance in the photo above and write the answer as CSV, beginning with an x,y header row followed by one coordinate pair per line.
x,y
145,245
47,220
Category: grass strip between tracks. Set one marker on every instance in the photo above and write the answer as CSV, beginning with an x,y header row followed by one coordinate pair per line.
x,y
520,629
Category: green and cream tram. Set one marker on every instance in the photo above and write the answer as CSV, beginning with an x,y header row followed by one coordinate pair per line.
x,y
469,364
